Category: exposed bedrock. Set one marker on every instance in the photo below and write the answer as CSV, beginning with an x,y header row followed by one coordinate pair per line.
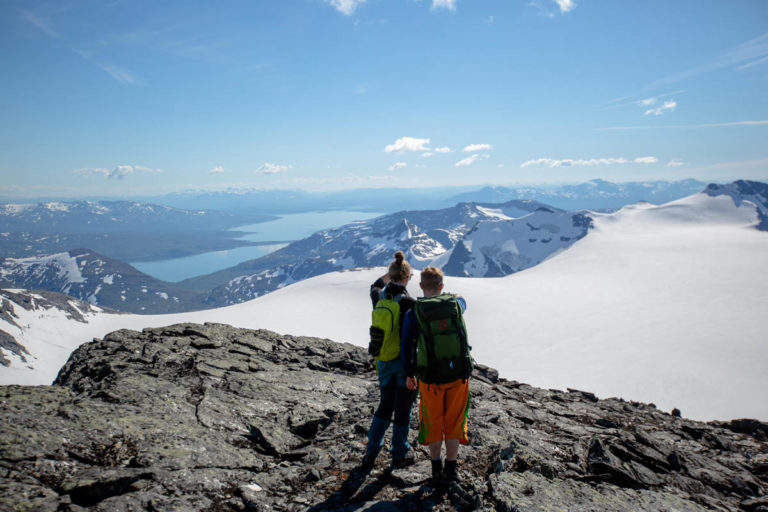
x,y
210,417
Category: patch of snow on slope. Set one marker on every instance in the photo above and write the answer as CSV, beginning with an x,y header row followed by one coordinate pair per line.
x,y
494,213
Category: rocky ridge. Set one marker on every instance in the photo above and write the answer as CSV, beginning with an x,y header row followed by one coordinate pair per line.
x,y
210,417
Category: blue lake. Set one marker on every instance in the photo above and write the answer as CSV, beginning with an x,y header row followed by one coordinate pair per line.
x,y
285,229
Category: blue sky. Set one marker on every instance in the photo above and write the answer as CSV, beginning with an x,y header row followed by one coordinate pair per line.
x,y
132,97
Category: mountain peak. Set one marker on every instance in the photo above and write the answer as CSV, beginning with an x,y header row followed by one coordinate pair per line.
x,y
745,190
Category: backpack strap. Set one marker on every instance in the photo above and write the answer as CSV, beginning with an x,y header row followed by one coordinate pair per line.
x,y
429,337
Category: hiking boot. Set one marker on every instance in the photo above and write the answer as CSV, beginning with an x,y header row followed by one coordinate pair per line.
x,y
451,471
369,459
437,470
406,460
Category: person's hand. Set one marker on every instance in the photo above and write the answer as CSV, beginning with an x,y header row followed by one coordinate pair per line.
x,y
411,383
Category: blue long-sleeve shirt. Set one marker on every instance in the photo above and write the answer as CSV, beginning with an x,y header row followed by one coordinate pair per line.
x,y
408,336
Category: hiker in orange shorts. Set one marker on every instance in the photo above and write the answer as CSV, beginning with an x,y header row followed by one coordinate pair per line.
x,y
434,348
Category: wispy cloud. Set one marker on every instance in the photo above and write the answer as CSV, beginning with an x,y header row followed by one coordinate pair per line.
x,y
44,25
427,154
270,168
444,4
443,150
473,148
667,106
745,55
571,162
396,166
753,63
119,172
675,162
407,144
710,125
346,7
216,170
118,73
488,20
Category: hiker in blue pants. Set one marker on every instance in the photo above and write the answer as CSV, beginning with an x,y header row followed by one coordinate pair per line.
x,y
396,398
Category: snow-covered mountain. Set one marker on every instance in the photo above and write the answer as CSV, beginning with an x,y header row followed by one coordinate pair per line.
x,y
753,192
96,279
495,248
506,237
662,304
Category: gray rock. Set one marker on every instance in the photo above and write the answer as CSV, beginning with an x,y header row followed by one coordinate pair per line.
x,y
210,417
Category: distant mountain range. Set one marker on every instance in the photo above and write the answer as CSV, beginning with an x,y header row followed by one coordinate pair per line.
x,y
469,239
126,230
592,195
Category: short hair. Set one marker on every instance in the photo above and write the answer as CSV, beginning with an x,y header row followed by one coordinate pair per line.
x,y
399,269
431,278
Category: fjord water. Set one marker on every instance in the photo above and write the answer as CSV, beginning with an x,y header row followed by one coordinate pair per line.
x,y
281,231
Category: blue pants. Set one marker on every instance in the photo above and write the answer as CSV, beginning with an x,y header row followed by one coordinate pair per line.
x,y
395,397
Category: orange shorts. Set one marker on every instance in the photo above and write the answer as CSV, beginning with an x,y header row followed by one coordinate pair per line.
x,y
443,410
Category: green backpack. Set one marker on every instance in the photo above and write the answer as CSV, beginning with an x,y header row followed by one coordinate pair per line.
x,y
442,351
386,318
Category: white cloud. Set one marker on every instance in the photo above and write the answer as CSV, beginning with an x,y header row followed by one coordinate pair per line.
x,y
427,154
346,7
647,102
570,162
477,147
675,162
444,4
396,166
443,150
468,161
407,144
119,173
667,106
216,170
566,5
269,168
